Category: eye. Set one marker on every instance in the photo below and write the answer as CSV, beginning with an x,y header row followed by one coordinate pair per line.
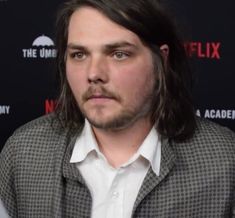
x,y
120,55
79,55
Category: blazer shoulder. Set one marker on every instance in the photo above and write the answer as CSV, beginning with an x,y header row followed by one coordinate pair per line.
x,y
212,148
42,130
44,123
214,139
214,132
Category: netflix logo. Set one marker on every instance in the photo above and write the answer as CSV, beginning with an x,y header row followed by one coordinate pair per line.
x,y
203,50
50,105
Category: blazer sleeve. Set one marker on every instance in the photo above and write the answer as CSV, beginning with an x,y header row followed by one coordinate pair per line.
x,y
7,186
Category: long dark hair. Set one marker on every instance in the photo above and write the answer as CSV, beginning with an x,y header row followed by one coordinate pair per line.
x,y
172,108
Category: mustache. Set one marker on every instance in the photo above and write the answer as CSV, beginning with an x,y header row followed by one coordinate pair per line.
x,y
94,91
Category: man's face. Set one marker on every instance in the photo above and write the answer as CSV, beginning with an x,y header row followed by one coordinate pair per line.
x,y
109,70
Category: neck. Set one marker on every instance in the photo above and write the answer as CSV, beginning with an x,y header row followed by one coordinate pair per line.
x,y
118,146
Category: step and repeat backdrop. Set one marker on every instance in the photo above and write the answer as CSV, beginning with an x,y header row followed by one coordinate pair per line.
x,y
27,56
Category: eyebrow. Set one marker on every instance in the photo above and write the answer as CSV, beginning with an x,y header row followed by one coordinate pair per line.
x,y
75,46
111,46
122,44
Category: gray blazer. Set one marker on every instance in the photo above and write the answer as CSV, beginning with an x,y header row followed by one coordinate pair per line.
x,y
197,177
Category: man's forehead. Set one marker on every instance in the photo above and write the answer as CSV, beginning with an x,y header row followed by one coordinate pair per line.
x,y
88,25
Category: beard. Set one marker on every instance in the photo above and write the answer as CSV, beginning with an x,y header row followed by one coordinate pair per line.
x,y
141,108
121,121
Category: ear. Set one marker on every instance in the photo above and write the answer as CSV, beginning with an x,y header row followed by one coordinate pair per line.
x,y
165,52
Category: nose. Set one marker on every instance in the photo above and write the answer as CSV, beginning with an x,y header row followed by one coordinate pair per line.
x,y
98,70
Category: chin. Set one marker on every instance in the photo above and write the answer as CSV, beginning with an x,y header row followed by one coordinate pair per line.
x,y
112,123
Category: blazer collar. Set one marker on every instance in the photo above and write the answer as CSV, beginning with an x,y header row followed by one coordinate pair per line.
x,y
70,170
60,169
151,180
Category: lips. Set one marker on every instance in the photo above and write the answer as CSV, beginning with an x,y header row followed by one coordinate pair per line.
x,y
99,96
99,99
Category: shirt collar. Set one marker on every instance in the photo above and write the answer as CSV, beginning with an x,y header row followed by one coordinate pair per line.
x,y
149,150
85,143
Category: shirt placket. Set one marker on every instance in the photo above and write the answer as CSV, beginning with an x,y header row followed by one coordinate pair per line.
x,y
115,195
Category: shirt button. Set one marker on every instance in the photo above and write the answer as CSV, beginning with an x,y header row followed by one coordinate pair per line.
x,y
115,195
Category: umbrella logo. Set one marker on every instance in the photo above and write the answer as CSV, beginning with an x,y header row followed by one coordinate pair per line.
x,y
42,47
43,41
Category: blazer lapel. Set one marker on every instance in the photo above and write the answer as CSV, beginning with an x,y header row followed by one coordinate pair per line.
x,y
59,156
77,197
151,180
63,170
70,170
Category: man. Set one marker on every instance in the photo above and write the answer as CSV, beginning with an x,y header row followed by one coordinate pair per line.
x,y
124,140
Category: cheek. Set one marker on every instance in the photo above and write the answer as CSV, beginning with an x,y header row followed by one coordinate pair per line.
x,y
134,79
75,80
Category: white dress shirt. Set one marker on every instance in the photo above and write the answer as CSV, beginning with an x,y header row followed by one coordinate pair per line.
x,y
114,190
3,212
